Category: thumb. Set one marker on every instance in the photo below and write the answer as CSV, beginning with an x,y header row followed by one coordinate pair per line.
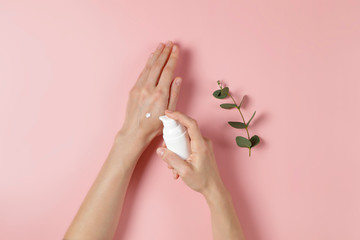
x,y
173,160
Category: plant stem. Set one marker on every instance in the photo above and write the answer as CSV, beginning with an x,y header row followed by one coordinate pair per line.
x,y
238,108
246,128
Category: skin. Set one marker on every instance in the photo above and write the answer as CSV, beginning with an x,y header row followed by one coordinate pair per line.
x,y
155,91
201,174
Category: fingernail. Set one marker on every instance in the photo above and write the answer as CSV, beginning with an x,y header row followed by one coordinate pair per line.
x,y
151,55
174,48
160,46
178,81
168,43
168,111
160,151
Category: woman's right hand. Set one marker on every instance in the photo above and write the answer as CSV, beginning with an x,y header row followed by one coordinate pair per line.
x,y
200,173
200,170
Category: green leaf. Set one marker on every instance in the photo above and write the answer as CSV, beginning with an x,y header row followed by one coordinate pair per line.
x,y
224,92
251,119
254,140
237,124
217,94
243,142
221,93
227,105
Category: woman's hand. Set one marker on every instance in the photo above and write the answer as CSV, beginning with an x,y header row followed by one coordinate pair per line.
x,y
200,173
200,170
155,91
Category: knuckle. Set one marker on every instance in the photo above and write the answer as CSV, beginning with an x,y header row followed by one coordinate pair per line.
x,y
168,69
145,91
159,92
158,64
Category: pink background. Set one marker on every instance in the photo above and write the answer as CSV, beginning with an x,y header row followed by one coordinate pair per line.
x,y
65,71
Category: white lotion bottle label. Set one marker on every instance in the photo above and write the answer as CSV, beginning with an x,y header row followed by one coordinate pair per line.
x,y
175,137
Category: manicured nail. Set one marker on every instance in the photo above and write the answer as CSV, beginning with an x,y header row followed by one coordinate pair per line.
x,y
174,48
178,81
160,46
168,43
168,111
160,151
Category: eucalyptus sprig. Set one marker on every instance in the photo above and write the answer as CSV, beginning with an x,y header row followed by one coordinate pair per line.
x,y
248,142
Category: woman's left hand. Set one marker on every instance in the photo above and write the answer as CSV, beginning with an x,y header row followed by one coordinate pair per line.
x,y
154,91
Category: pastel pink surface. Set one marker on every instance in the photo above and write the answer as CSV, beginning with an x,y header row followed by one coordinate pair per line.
x,y
65,71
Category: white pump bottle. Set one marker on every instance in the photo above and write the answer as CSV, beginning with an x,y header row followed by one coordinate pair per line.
x,y
175,137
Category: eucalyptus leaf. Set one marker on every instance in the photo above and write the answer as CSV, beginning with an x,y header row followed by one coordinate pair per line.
x,y
254,140
217,94
251,119
224,92
243,142
227,105
237,125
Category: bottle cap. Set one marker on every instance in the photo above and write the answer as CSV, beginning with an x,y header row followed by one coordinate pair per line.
x,y
168,122
172,128
175,137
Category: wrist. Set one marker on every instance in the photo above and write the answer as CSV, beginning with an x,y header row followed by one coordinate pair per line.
x,y
127,149
215,192
133,139
135,135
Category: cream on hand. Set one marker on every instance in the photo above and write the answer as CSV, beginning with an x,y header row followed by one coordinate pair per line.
x,y
175,137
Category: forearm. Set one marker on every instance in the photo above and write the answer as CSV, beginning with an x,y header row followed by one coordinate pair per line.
x,y
99,213
225,223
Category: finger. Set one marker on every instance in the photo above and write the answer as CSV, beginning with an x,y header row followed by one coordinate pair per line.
x,y
173,160
152,58
163,145
174,93
174,173
159,64
168,72
188,122
157,53
170,167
